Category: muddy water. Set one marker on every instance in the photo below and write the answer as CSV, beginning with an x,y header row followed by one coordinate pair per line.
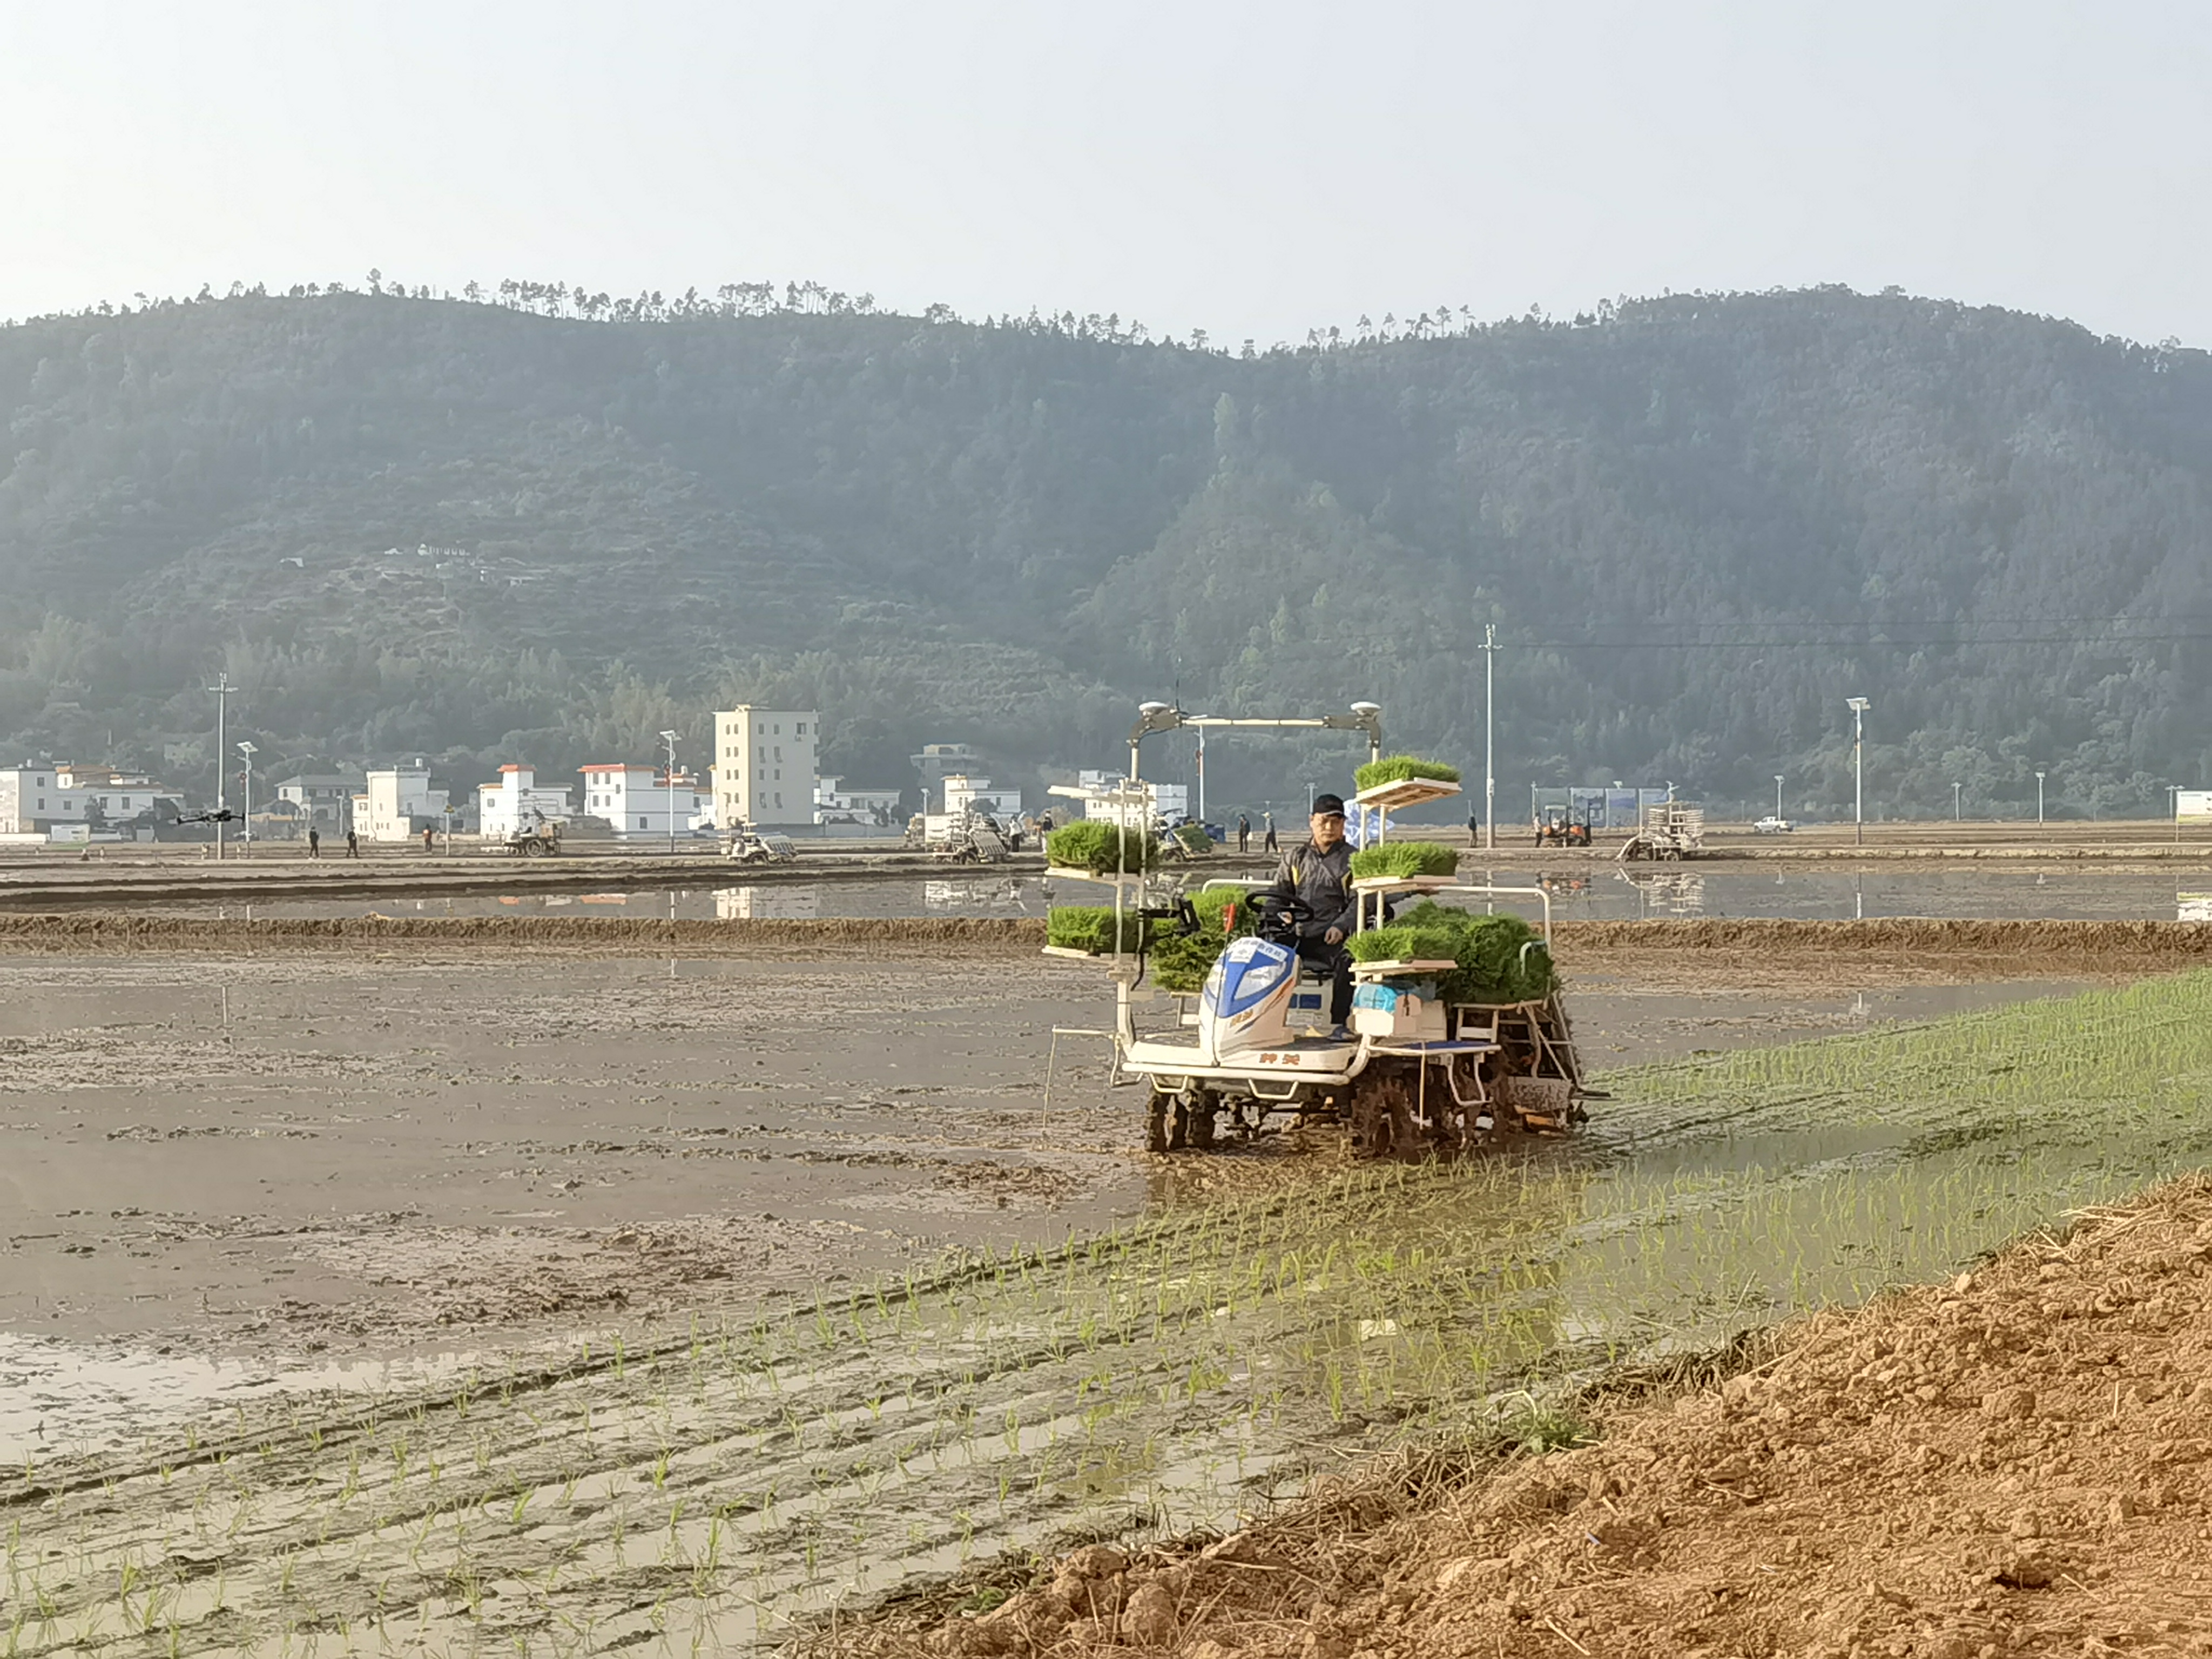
x,y
1174,1372
1609,894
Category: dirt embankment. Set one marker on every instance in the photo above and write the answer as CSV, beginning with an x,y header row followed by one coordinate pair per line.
x,y
2024,949
2018,1461
80,932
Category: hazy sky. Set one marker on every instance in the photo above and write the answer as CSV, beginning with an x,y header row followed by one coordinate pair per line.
x,y
1253,170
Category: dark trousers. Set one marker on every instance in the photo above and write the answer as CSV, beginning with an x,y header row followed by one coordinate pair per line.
x,y
1336,961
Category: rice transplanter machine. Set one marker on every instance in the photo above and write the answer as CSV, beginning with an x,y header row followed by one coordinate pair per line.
x,y
1415,1073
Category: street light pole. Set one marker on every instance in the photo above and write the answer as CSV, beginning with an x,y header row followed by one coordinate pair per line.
x,y
246,840
1956,817
2038,800
1489,738
669,737
1778,797
221,689
1858,708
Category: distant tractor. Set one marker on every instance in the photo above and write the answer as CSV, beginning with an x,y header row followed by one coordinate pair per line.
x,y
1556,828
1671,830
745,845
540,839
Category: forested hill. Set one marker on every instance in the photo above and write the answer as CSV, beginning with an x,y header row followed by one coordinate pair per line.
x,y
1698,524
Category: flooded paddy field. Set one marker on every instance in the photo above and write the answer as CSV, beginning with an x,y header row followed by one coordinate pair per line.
x,y
548,1302
1603,892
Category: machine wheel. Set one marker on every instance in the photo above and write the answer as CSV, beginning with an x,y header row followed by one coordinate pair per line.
x,y
1197,1110
1383,1118
1164,1124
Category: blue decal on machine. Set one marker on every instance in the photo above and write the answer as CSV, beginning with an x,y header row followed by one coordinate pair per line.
x,y
1248,972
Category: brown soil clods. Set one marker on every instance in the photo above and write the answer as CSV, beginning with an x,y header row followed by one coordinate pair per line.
x,y
2017,1461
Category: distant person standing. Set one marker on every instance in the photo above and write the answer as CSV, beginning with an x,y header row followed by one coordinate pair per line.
x,y
353,845
1244,833
1473,826
427,834
314,843
1267,823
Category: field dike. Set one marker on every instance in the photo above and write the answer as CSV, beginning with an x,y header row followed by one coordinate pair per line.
x,y
2086,947
746,1479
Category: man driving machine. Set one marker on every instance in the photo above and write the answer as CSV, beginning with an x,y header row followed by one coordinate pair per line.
x,y
1311,894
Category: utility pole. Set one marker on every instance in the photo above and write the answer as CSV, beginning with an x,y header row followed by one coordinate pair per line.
x,y
1201,774
1858,708
246,840
1778,797
1489,738
2038,800
669,737
1956,816
221,689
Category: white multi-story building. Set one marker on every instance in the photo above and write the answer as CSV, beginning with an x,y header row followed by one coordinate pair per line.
x,y
34,799
111,797
765,762
399,804
963,793
939,761
639,801
322,800
835,803
1104,795
515,802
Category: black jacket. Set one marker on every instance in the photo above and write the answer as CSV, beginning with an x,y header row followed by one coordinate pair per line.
x,y
1320,881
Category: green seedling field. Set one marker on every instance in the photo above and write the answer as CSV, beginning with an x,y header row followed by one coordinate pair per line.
x,y
704,1490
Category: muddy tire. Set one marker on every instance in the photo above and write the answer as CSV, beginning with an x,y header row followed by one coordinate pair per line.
x,y
1382,1123
1198,1120
1164,1129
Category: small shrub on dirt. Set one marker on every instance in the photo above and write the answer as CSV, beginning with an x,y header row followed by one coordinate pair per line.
x,y
1547,1428
1090,927
1194,838
1404,858
1398,768
1101,847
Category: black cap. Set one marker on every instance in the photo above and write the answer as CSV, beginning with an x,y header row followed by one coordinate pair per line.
x,y
1329,806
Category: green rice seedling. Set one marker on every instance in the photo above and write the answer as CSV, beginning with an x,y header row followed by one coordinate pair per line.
x,y
1101,847
1401,768
1404,858
1090,927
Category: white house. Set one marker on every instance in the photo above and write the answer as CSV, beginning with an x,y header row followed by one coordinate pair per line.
x,y
963,793
515,802
938,762
399,804
1099,795
640,802
34,799
765,762
116,798
321,800
835,803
